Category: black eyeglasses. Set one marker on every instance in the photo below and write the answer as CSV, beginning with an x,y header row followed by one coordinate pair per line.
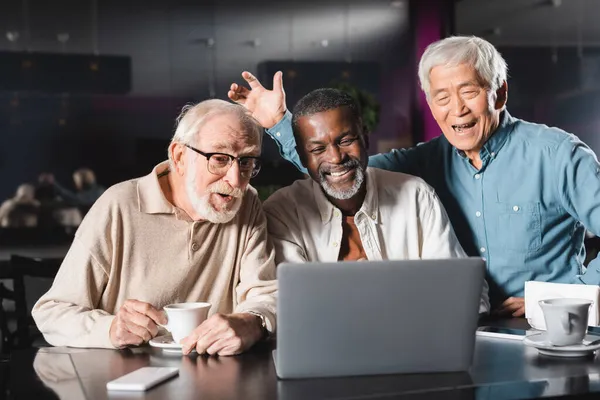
x,y
219,163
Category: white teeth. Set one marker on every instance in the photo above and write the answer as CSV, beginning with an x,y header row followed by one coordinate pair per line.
x,y
338,173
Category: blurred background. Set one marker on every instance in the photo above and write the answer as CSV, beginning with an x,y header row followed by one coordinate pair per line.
x,y
90,89
94,86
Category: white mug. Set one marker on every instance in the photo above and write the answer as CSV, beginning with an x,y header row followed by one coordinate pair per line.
x,y
566,320
183,318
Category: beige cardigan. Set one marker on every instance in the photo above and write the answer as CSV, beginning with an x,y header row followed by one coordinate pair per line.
x,y
134,244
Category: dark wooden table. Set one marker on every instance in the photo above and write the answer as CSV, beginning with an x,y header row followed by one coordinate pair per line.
x,y
502,369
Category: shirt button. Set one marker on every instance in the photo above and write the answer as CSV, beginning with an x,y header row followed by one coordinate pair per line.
x,y
374,217
278,134
335,244
478,214
336,213
195,246
493,154
484,259
477,176
482,249
516,208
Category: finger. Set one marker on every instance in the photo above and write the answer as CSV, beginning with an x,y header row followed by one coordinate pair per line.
x,y
252,81
129,339
231,349
129,321
142,321
189,342
240,90
207,340
278,82
125,337
513,307
146,309
218,346
519,313
509,301
236,97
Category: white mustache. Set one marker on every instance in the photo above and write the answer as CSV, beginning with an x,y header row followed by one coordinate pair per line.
x,y
223,188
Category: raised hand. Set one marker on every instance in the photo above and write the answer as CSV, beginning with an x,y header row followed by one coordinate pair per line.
x,y
266,106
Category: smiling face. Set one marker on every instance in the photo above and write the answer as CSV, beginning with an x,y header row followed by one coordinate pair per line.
x,y
467,113
332,148
217,198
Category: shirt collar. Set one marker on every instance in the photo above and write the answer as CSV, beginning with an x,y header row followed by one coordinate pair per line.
x,y
151,199
370,206
493,145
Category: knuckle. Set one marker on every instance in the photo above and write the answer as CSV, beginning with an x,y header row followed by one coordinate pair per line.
x,y
236,342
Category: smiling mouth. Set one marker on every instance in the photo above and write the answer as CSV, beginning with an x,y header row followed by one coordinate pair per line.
x,y
462,127
337,176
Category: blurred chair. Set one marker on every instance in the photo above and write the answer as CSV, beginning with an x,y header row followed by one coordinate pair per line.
x,y
32,277
5,294
4,376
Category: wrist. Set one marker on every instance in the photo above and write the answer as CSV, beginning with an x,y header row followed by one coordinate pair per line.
x,y
259,323
276,119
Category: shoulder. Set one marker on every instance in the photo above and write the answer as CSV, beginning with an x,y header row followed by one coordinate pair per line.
x,y
398,182
119,195
540,134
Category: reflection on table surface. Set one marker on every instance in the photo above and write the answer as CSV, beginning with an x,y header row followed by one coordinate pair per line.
x,y
502,369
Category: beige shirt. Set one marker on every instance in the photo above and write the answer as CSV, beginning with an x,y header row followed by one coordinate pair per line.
x,y
401,218
134,244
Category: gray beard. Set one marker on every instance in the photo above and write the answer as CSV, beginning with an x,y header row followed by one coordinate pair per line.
x,y
343,194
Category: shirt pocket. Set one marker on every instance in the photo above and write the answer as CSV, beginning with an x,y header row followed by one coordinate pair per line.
x,y
519,226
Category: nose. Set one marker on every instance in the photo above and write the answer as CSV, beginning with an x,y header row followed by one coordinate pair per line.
x,y
233,176
334,155
457,106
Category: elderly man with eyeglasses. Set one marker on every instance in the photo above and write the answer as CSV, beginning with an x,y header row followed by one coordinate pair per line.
x,y
192,230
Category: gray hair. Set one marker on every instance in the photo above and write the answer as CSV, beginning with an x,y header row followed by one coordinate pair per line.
x,y
194,116
455,50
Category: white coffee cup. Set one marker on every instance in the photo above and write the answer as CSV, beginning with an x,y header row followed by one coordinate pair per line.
x,y
184,318
566,320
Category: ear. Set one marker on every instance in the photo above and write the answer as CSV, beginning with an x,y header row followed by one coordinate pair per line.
x,y
176,150
501,96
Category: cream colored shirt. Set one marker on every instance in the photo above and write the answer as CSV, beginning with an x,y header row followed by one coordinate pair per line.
x,y
400,218
134,244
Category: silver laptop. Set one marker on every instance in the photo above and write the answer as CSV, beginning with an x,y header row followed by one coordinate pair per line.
x,y
381,317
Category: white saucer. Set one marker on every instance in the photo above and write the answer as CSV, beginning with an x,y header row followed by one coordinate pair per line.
x,y
540,342
166,343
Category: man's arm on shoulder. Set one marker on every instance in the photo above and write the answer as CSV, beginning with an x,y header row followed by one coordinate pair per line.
x,y
257,289
578,181
401,160
283,135
439,239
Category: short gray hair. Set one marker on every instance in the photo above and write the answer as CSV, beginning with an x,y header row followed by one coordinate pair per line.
x,y
455,50
194,116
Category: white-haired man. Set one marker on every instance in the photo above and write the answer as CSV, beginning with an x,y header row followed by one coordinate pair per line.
x,y
518,194
191,230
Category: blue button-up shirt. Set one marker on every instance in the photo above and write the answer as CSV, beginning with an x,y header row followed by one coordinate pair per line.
x,y
526,209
